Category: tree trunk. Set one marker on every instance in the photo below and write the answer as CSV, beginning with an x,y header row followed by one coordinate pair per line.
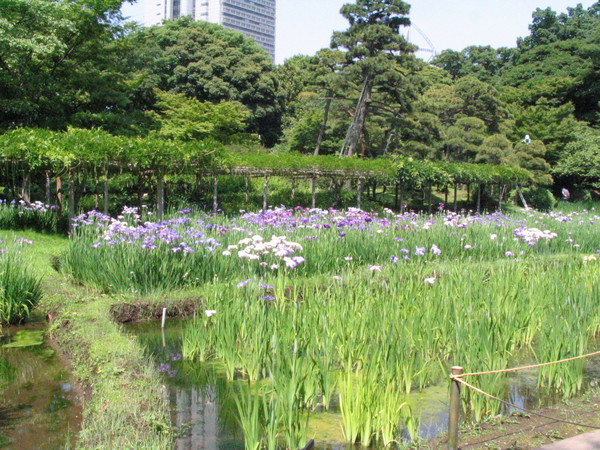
x,y
324,123
360,115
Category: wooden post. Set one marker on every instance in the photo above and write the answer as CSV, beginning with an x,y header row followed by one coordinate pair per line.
x,y
312,192
455,197
396,194
293,187
501,190
454,416
47,188
106,194
215,191
59,202
247,188
429,205
265,192
160,196
358,192
71,200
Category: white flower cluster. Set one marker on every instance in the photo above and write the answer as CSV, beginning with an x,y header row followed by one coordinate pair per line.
x,y
532,235
279,246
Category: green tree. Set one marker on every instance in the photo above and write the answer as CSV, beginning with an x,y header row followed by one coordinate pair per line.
x,y
463,139
187,119
496,149
57,61
209,63
579,164
530,156
374,51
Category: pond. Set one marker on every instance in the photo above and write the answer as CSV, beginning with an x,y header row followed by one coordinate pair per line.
x,y
38,405
204,411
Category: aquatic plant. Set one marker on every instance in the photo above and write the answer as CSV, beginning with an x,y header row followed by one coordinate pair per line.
x,y
20,289
395,298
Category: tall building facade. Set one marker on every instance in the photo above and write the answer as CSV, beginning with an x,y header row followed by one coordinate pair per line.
x,y
254,18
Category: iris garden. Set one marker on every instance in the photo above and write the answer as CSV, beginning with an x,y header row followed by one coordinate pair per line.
x,y
310,309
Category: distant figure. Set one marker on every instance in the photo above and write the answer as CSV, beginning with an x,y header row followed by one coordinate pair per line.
x,y
565,193
527,140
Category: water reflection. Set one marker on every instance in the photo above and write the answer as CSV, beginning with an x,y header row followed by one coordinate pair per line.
x,y
205,413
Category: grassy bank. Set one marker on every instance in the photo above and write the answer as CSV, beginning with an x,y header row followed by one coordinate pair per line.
x,y
124,401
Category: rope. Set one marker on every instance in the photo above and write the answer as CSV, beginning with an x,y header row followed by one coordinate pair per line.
x,y
514,369
476,389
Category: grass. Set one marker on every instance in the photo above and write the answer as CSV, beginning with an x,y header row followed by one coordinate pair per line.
x,y
20,289
355,321
124,402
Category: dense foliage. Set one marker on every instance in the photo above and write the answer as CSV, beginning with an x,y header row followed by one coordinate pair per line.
x,y
75,64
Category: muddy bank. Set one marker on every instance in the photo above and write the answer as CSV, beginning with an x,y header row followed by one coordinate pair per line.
x,y
141,311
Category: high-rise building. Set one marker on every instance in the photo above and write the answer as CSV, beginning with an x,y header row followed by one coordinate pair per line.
x,y
254,18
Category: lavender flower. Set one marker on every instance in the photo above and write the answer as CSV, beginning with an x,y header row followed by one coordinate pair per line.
x,y
242,284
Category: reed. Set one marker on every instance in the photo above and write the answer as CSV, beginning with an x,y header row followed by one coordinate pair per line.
x,y
20,289
378,307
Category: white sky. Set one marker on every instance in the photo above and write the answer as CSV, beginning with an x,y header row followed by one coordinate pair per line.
x,y
305,26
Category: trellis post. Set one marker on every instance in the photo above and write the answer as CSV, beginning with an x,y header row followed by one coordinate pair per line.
x,y
293,187
160,196
359,192
215,192
265,192
71,199
455,197
106,193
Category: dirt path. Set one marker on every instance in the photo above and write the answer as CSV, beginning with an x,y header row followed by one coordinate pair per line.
x,y
521,431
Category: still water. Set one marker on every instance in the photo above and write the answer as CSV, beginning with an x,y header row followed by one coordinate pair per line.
x,y
204,412
38,407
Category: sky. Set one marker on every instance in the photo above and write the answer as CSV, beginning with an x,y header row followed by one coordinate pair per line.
x,y
305,26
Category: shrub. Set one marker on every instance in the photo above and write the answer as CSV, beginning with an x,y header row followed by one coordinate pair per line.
x,y
539,198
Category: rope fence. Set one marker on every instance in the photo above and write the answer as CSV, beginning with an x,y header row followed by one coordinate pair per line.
x,y
457,380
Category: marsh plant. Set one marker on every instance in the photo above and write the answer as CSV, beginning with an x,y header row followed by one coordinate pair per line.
x,y
360,309
37,216
20,289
